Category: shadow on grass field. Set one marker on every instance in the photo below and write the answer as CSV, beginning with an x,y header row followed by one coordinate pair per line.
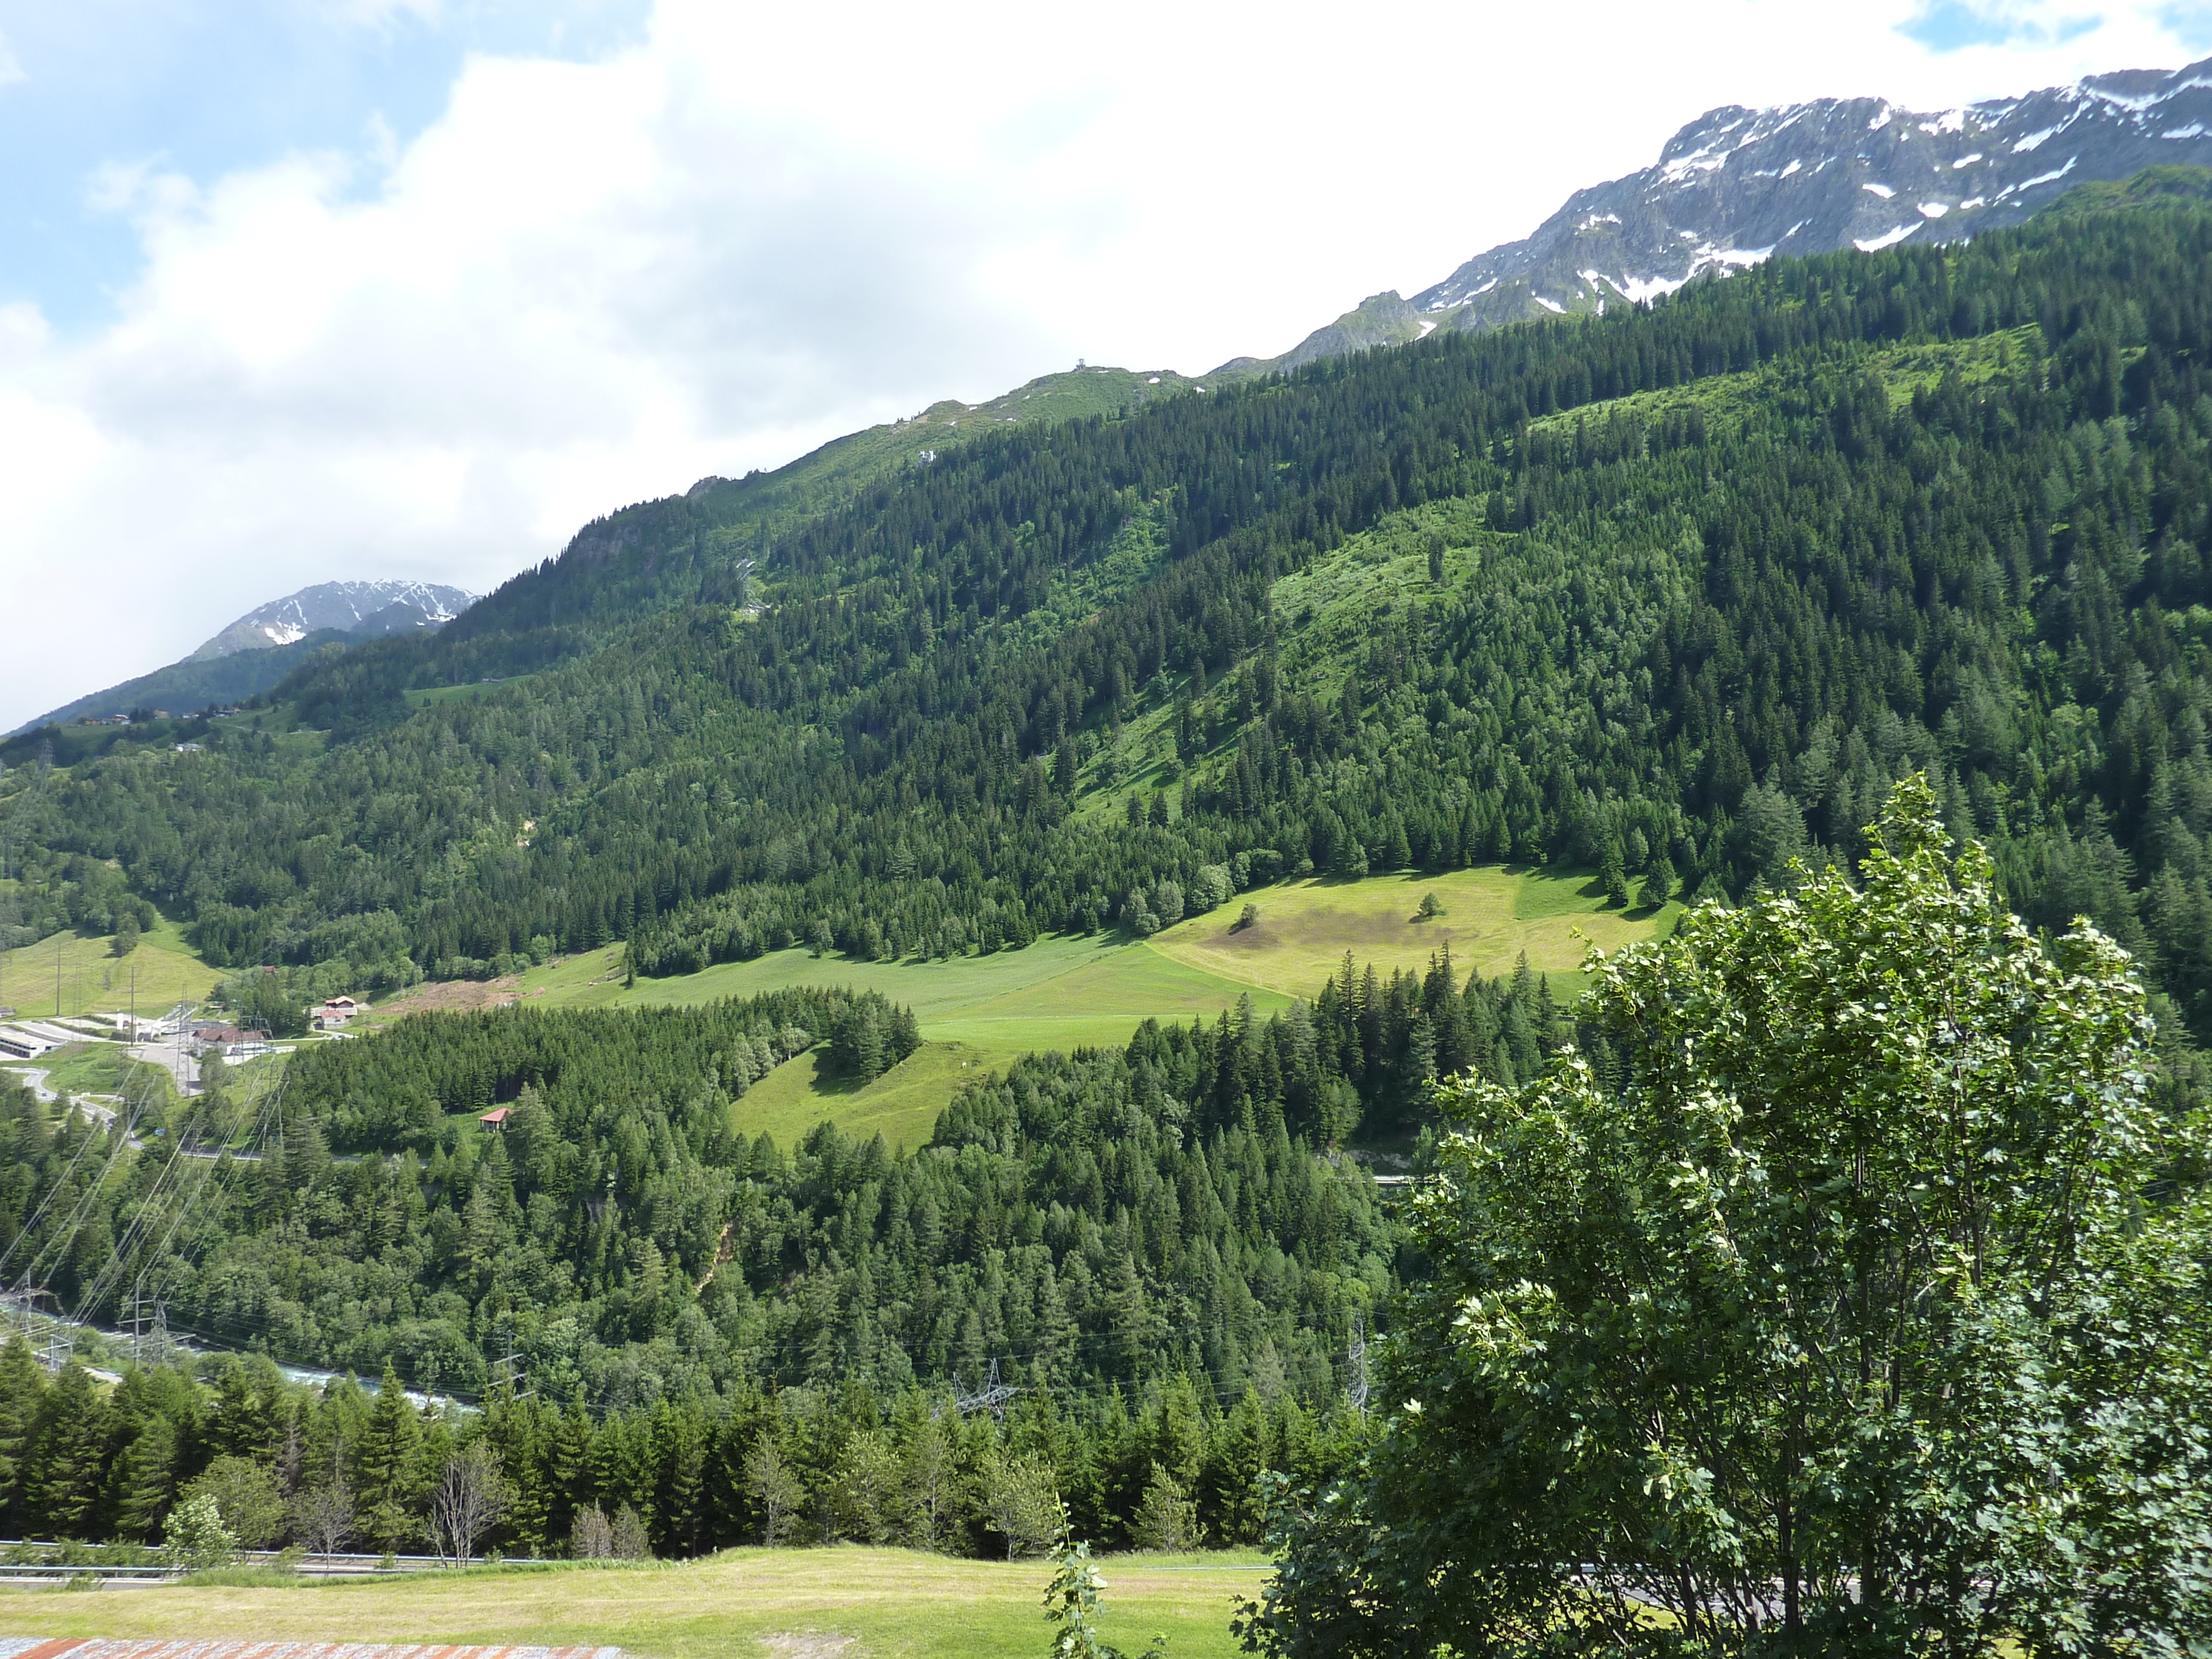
x,y
886,1604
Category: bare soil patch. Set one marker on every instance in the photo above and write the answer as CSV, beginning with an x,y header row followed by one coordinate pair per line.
x,y
447,996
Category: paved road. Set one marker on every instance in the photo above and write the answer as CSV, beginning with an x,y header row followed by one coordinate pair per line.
x,y
173,1057
36,1076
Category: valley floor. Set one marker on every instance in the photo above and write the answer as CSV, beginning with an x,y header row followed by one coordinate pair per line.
x,y
838,1603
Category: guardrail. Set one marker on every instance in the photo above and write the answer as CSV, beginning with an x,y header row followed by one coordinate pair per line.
x,y
341,1564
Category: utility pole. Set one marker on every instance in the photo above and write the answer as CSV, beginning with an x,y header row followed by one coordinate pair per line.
x,y
508,1371
1355,1361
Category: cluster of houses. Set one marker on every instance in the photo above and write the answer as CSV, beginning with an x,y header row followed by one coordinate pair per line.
x,y
229,1040
231,712
233,1042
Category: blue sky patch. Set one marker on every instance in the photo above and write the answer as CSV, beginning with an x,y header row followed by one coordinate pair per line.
x,y
206,87
1952,25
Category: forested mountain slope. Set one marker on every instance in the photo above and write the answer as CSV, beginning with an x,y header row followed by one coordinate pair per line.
x,y
1810,527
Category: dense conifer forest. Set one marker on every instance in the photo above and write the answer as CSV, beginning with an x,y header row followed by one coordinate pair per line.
x,y
1176,1208
1822,523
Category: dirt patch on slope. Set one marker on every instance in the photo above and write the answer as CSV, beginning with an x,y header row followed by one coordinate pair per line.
x,y
445,996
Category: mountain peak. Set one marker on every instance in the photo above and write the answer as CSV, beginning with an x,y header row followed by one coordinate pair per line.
x,y
1738,184
371,607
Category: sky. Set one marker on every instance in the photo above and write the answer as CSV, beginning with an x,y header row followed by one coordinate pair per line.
x,y
296,290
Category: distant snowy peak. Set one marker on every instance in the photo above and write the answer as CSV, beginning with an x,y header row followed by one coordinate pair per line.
x,y
373,608
1737,186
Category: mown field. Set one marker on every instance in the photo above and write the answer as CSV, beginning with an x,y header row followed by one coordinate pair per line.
x,y
980,1013
843,1603
1491,917
93,980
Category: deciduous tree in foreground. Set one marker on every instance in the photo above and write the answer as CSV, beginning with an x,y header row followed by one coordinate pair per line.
x,y
1859,1306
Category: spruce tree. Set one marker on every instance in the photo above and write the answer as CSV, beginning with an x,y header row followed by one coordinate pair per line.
x,y
72,1442
386,1466
145,1480
22,1399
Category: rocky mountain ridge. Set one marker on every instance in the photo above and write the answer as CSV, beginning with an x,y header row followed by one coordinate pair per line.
x,y
1738,185
369,609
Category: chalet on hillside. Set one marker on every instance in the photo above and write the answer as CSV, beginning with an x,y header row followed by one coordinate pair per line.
x,y
333,1014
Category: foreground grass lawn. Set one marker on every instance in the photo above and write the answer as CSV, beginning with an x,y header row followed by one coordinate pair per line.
x,y
889,1603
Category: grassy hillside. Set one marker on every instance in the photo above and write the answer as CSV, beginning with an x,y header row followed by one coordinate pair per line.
x,y
94,981
779,1604
844,465
1492,915
978,1014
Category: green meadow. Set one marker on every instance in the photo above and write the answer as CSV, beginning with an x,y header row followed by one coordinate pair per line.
x,y
67,974
1491,917
978,1014
836,1603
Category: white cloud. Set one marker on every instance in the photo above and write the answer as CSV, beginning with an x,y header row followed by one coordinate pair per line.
x,y
588,284
10,69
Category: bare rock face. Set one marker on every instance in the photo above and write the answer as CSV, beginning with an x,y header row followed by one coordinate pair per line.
x,y
363,608
1737,186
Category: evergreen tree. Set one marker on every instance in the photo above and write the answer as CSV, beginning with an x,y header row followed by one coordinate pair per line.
x,y
386,1466
23,1406
72,1442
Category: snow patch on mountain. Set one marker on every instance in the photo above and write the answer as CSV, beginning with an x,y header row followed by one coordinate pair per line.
x,y
1737,184
367,607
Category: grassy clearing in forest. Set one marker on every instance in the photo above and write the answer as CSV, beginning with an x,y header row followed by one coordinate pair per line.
x,y
1099,1004
854,1603
100,1068
902,1105
94,981
1491,915
978,1014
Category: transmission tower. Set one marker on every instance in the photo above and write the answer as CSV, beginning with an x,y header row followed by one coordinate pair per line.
x,y
157,1335
994,1397
61,1342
